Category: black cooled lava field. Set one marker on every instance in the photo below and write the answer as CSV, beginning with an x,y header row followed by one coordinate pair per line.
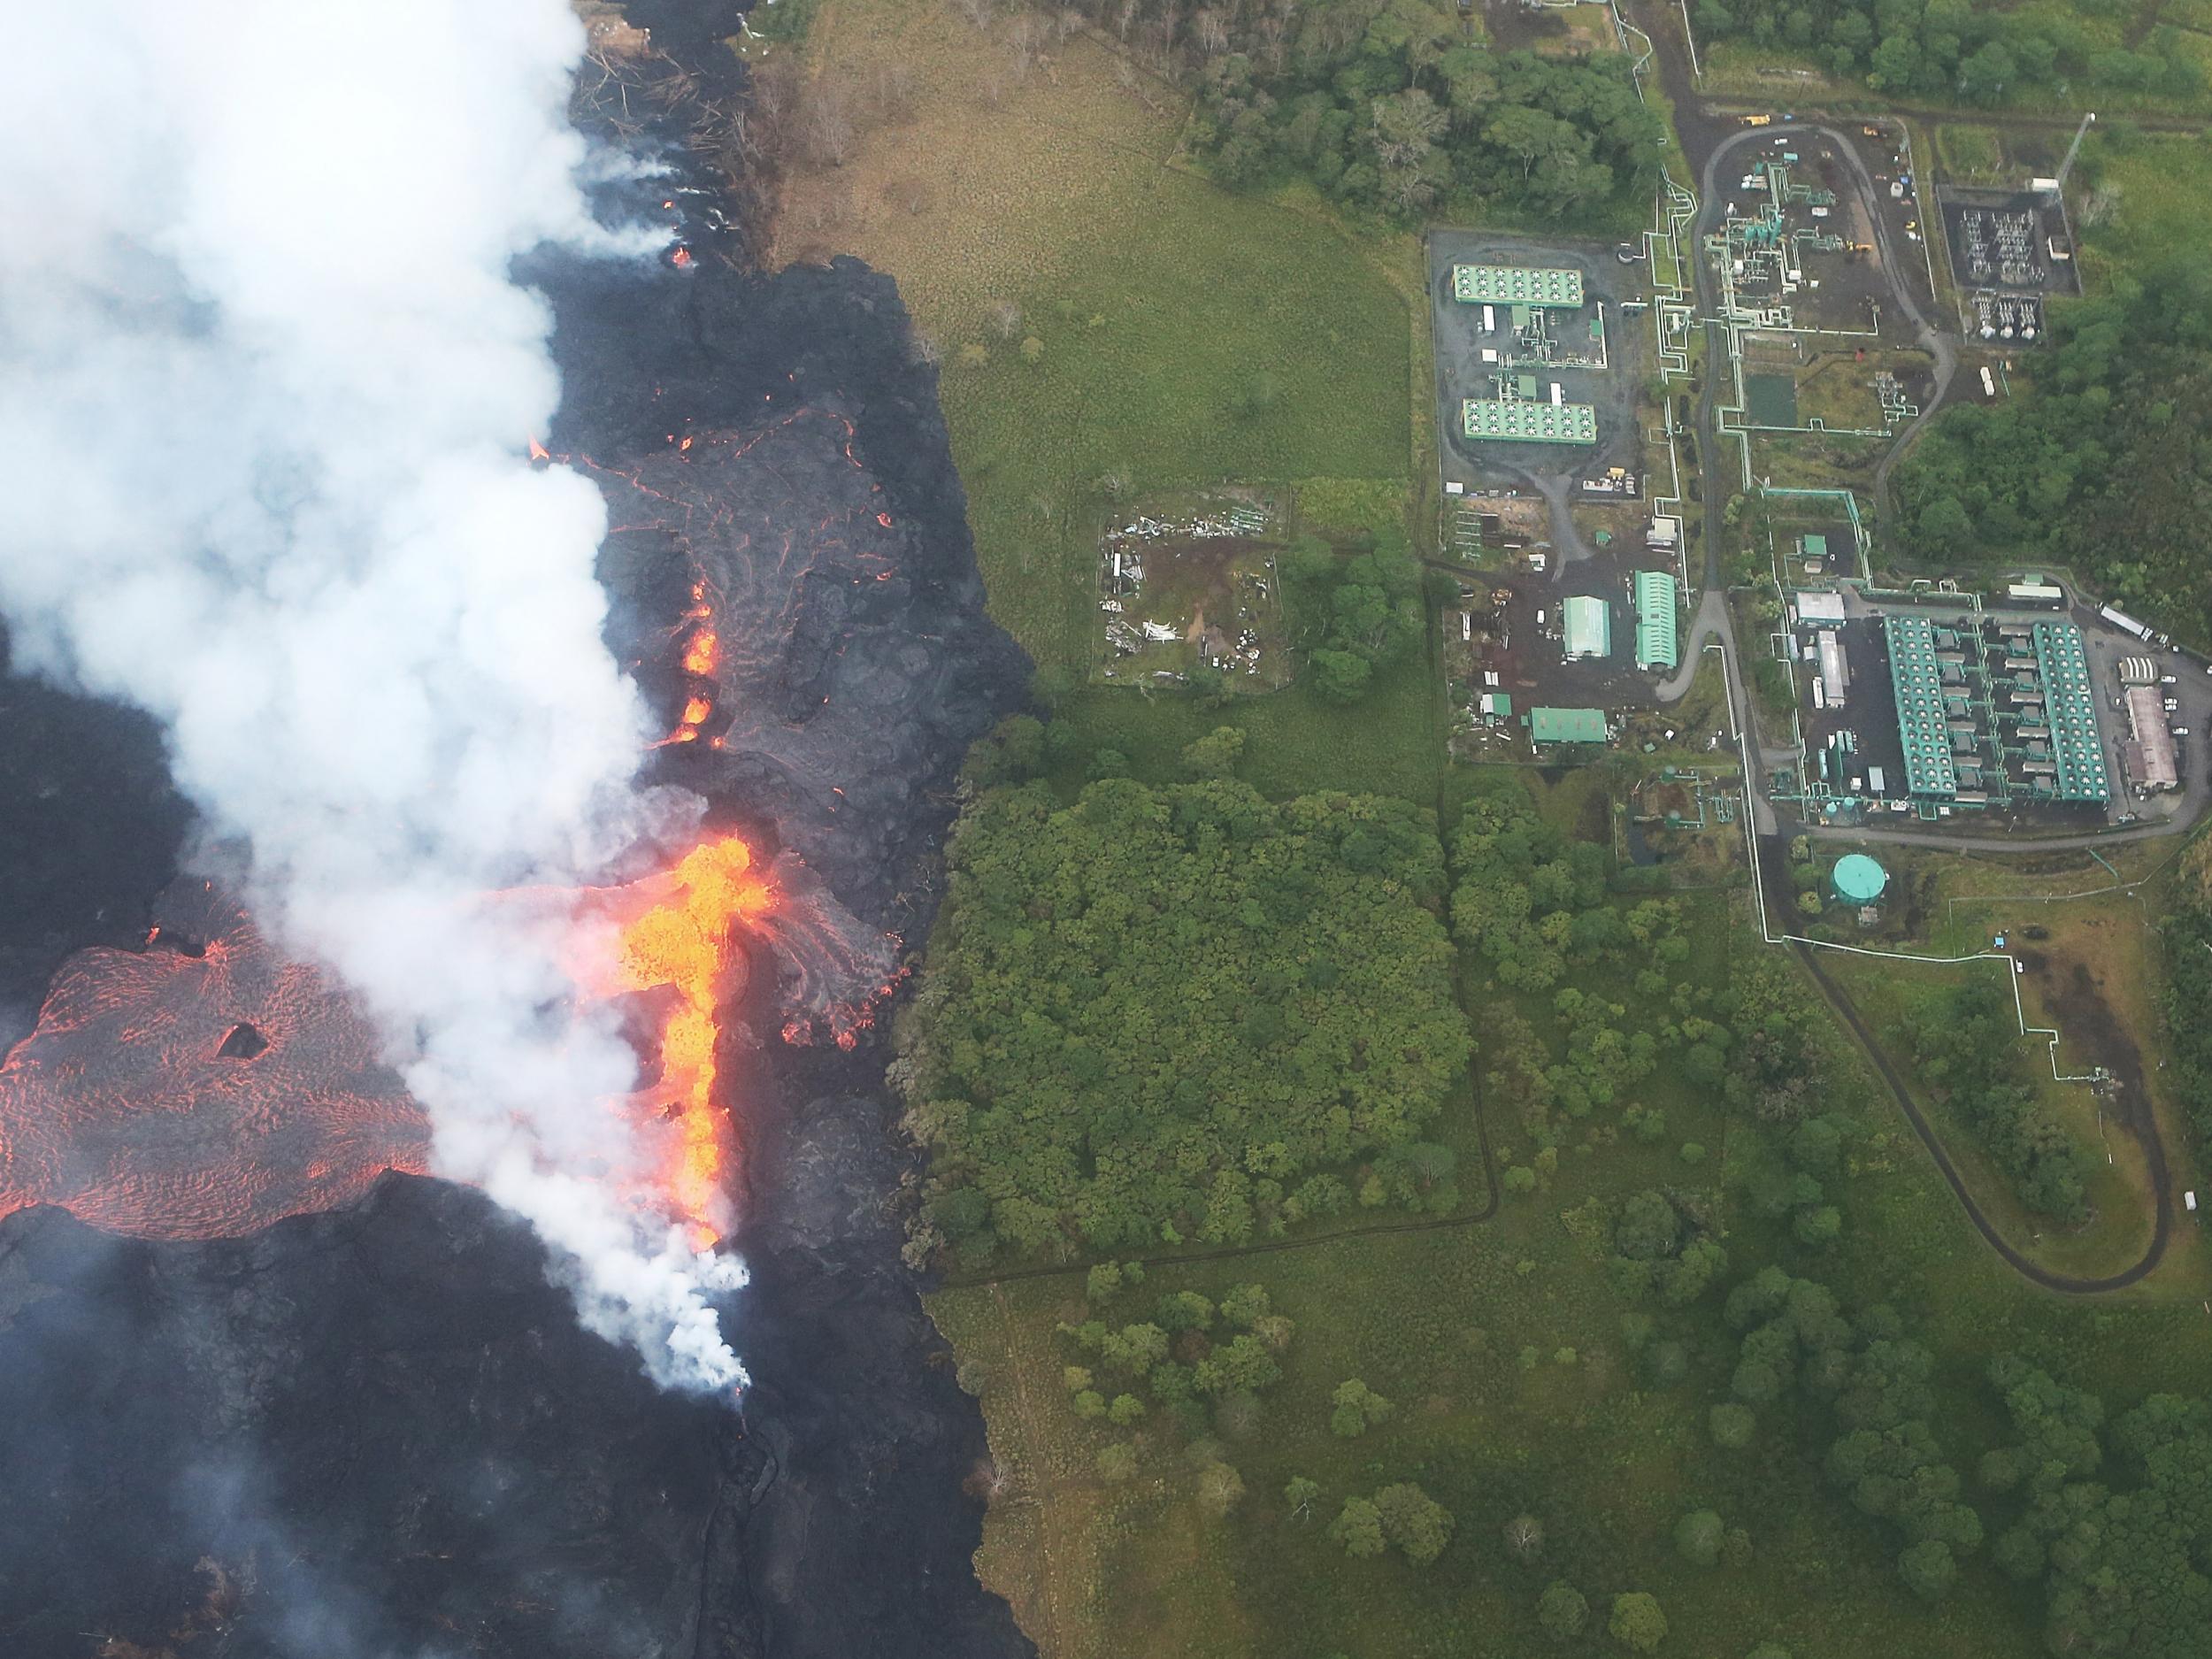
x,y
378,1431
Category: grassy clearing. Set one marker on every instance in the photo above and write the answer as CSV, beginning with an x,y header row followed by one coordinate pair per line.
x,y
1885,992
1970,154
1769,76
1101,314
1296,741
771,29
1589,29
2104,942
1838,389
2146,203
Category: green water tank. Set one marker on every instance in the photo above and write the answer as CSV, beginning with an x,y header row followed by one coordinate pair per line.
x,y
1860,879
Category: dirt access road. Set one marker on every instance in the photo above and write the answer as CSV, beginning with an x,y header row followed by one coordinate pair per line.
x,y
2086,1015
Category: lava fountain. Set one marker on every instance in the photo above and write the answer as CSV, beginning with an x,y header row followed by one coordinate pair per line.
x,y
685,941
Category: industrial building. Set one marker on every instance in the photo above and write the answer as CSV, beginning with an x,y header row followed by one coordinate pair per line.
x,y
1588,627
1819,608
1566,725
1517,285
1835,671
1521,420
2072,706
1989,711
1655,644
1921,724
2148,753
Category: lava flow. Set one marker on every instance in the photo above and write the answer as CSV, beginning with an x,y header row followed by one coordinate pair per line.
x,y
685,939
205,1086
702,661
201,1087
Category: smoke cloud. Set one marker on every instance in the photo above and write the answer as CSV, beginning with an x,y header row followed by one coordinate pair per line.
x,y
264,381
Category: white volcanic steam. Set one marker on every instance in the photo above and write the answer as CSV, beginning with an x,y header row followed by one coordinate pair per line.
x,y
263,382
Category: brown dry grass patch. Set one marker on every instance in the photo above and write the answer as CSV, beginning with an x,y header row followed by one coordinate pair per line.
x,y
1014,145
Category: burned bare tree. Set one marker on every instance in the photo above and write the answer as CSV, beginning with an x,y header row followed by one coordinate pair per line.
x,y
827,127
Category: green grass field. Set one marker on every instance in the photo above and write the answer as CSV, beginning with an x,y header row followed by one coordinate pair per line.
x,y
1218,342
1296,741
1102,313
1970,154
2145,202
1885,991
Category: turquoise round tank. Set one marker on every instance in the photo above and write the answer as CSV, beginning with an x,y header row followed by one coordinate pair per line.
x,y
1859,880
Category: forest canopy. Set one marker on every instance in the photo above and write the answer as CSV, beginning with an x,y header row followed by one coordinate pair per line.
x,y
2105,467
1388,105
1942,49
1164,1012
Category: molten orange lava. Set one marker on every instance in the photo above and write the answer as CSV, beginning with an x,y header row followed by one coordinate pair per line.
x,y
685,942
208,1090
704,655
538,452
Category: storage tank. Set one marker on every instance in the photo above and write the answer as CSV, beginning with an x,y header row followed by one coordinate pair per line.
x,y
1859,880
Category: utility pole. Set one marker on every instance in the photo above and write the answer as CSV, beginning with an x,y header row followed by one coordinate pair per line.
x,y
2058,185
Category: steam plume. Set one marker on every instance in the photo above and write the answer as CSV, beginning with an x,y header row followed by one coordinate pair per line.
x,y
263,382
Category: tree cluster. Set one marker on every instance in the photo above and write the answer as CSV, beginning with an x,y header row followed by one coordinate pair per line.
x,y
2106,467
1160,1012
1386,105
1206,1365
1986,53
1873,1380
1400,1517
1765,1058
1790,1170
1533,901
1661,1247
2188,952
2124,1562
1964,1041
1351,615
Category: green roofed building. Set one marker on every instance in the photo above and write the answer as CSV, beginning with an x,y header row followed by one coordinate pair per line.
x,y
1566,725
1517,285
1589,627
2072,706
1525,422
1655,646
1917,685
